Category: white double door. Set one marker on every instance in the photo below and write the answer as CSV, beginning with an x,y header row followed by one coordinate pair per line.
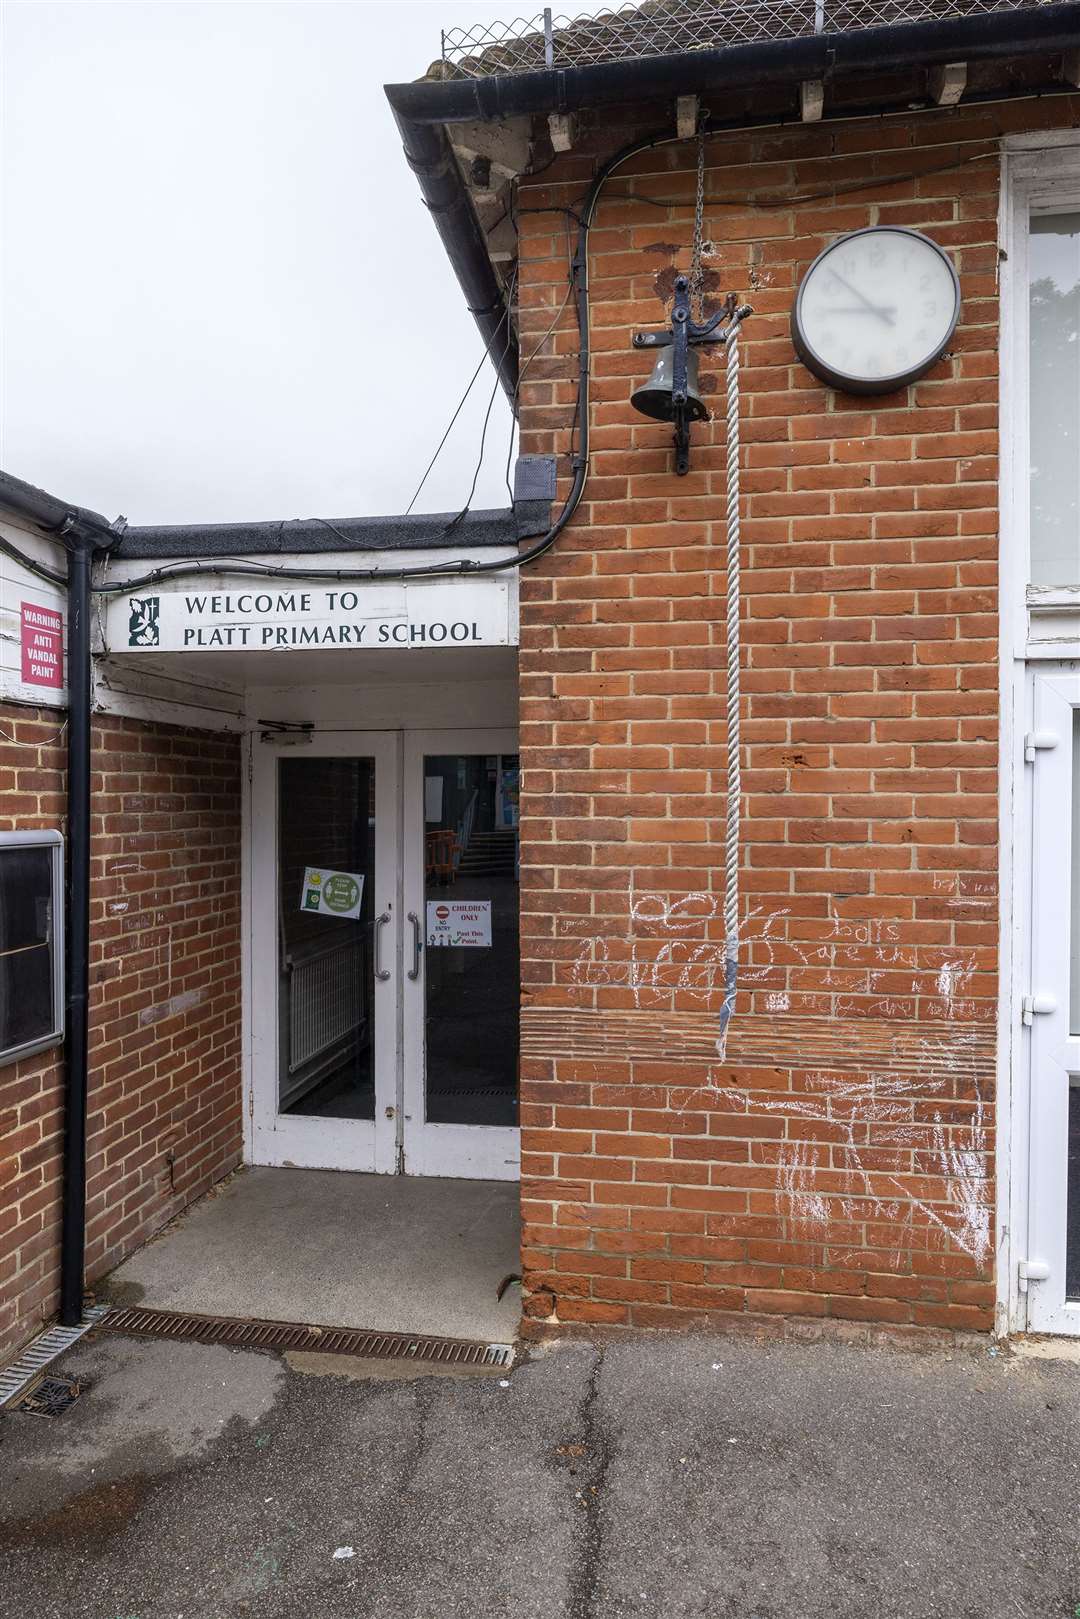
x,y
1050,1007
384,954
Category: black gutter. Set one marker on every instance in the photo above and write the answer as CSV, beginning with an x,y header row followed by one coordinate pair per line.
x,y
83,533
1041,28
424,107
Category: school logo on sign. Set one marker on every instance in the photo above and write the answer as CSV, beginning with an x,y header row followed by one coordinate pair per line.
x,y
144,621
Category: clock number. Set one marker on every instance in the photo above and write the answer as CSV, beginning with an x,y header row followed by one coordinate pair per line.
x,y
884,286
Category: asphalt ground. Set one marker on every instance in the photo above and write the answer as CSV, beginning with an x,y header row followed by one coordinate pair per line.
x,y
657,1475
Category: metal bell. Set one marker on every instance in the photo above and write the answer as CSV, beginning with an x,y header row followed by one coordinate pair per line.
x,y
654,397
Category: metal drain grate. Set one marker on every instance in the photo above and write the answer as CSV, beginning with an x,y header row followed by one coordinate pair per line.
x,y
240,1334
50,1397
36,1356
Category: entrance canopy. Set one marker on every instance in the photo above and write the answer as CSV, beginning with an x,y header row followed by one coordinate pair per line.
x,y
197,638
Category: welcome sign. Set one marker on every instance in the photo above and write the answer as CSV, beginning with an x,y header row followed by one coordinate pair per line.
x,y
283,617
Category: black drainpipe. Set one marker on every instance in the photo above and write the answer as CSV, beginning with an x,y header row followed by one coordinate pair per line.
x,y
83,533
73,1224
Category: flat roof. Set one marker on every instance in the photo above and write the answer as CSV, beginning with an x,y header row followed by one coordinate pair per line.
x,y
422,531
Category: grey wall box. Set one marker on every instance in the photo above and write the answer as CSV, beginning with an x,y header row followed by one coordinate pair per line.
x,y
31,942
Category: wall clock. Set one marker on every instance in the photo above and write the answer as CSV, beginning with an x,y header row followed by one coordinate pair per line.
x,y
875,309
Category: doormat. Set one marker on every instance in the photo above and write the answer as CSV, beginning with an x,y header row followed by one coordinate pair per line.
x,y
279,1335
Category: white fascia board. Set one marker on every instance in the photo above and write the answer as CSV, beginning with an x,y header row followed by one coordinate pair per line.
x,y
22,594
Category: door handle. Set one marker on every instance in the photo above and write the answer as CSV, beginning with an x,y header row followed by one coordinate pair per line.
x,y
380,923
417,946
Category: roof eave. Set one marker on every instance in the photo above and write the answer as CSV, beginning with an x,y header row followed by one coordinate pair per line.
x,y
1000,34
423,110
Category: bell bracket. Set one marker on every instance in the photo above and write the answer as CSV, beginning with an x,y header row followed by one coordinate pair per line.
x,y
683,331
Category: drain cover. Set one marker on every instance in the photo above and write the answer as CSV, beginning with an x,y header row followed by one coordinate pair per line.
x,y
50,1397
241,1334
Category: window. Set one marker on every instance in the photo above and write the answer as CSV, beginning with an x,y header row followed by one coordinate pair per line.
x,y
1054,398
31,942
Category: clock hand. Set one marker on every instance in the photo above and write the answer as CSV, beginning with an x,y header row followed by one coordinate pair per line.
x,y
883,314
885,310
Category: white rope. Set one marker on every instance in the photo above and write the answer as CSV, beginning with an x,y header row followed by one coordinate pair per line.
x,y
734,781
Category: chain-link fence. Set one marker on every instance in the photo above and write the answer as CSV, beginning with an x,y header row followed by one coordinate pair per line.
x,y
669,27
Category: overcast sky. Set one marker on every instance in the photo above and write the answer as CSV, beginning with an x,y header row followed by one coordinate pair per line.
x,y
209,234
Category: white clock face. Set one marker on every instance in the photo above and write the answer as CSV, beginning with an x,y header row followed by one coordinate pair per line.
x,y
875,309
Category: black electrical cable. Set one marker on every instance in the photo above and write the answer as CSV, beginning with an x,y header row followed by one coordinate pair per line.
x,y
794,198
461,402
461,565
580,280
446,435
464,512
523,372
40,568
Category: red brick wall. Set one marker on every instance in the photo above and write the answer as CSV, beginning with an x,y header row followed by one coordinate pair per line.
x,y
838,1160
165,1094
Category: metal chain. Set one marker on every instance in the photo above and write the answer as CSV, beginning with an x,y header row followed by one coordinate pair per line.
x,y
697,274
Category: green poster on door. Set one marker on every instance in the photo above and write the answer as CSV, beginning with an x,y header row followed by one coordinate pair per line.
x,y
332,893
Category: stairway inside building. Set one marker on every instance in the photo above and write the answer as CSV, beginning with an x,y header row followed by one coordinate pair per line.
x,y
490,854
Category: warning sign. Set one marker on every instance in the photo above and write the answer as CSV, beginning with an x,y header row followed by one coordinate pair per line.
x,y
332,893
42,646
458,922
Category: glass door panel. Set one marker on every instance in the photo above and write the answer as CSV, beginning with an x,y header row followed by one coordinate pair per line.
x,y
1053,1011
325,841
1054,402
471,937
462,1005
326,882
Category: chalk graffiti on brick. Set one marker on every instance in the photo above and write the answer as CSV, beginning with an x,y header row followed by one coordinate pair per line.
x,y
669,944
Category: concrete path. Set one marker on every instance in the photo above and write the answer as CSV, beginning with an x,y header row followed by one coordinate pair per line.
x,y
688,1478
397,1252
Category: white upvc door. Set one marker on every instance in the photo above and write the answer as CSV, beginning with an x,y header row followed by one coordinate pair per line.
x,y
325,972
383,1038
1051,1008
460,1000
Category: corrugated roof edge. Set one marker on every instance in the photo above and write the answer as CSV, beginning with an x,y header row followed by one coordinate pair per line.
x,y
423,531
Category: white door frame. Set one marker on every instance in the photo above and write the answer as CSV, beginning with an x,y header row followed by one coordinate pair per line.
x,y
466,1150
399,1137
1053,1047
293,1139
1040,173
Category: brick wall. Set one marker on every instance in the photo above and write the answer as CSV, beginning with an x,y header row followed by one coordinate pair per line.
x,y
165,1094
837,1161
